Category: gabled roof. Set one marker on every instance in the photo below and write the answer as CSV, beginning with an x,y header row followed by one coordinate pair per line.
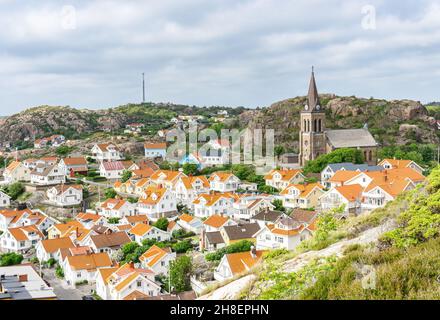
x,y
104,147
113,204
343,176
396,164
267,215
117,165
286,175
244,231
75,161
188,181
140,229
223,176
187,218
216,221
114,239
212,198
61,188
353,167
304,189
350,192
243,261
13,165
154,255
358,138
21,233
53,245
89,262
159,145
136,219
88,216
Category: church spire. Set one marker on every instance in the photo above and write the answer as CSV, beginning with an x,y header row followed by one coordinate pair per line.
x,y
312,96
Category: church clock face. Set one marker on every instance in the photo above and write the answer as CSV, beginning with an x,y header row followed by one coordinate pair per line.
x,y
306,107
318,107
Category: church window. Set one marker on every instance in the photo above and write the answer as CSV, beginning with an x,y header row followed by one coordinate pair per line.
x,y
315,125
370,155
319,125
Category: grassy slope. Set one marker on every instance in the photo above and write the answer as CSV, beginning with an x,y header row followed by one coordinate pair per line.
x,y
406,260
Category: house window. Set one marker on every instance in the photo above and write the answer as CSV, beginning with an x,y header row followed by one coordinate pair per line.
x,y
139,283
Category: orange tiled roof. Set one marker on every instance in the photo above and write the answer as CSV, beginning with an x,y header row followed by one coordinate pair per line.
x,y
75,161
13,165
212,198
20,233
186,217
304,189
350,192
53,245
243,261
140,229
160,145
216,221
222,175
343,176
154,255
188,181
118,203
90,261
286,175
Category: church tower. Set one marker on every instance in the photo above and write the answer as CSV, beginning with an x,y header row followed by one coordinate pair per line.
x,y
312,126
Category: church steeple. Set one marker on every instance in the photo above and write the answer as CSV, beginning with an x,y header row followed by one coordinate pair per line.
x,y
313,103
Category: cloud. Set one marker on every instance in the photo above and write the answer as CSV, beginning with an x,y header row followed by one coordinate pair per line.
x,y
217,52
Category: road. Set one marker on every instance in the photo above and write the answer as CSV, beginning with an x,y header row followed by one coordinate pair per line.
x,y
63,291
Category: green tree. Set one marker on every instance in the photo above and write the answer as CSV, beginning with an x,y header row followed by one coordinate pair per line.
x,y
278,150
182,246
190,169
63,150
113,220
161,223
126,175
278,203
180,272
110,193
240,246
337,156
10,259
14,190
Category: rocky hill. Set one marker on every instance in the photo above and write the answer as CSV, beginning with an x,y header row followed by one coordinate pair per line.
x,y
391,122
74,123
390,253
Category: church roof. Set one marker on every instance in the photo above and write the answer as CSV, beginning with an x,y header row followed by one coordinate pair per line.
x,y
350,138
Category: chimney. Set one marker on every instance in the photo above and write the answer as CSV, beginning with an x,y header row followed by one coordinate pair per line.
x,y
77,232
131,264
23,278
253,252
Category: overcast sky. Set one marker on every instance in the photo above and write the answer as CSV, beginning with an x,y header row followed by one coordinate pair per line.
x,y
214,52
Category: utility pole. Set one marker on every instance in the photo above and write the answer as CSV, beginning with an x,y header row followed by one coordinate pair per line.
x,y
143,87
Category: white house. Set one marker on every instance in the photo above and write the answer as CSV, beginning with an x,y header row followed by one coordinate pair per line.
x,y
216,222
65,195
247,206
20,218
280,179
106,152
15,172
127,282
155,150
400,164
142,231
5,200
114,169
187,189
223,182
20,239
166,178
47,175
108,242
207,205
79,268
47,249
157,202
237,263
190,223
348,195
330,170
286,233
303,196
116,208
73,165
157,259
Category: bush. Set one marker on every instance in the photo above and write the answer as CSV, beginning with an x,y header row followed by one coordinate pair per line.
x,y
182,246
110,193
180,273
51,262
10,259
162,224
240,246
337,156
114,220
14,190
182,233
59,272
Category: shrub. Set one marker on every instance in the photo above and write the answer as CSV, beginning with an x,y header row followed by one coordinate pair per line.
x,y
240,246
59,272
182,246
10,259
161,223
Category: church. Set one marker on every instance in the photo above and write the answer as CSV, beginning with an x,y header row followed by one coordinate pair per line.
x,y
315,140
